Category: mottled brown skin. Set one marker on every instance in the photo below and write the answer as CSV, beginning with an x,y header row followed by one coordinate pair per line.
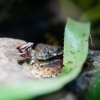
x,y
45,51
44,67
47,69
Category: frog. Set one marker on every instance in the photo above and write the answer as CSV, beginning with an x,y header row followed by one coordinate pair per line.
x,y
44,60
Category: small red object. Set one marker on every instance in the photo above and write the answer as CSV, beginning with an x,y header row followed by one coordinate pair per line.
x,y
25,49
24,54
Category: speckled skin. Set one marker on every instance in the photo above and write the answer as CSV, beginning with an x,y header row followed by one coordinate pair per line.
x,y
45,51
43,66
10,69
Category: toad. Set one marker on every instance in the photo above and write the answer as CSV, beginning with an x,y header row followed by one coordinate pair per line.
x,y
44,61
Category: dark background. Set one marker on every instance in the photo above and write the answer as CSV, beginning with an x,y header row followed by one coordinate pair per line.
x,y
44,20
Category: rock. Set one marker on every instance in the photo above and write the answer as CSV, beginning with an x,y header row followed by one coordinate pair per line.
x,y
8,48
10,70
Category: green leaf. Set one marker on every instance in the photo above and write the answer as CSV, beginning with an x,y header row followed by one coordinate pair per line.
x,y
75,53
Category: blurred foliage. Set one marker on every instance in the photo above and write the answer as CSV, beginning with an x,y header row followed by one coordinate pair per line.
x,y
92,14
84,4
53,40
85,10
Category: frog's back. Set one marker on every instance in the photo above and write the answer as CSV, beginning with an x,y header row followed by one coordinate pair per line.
x,y
45,51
